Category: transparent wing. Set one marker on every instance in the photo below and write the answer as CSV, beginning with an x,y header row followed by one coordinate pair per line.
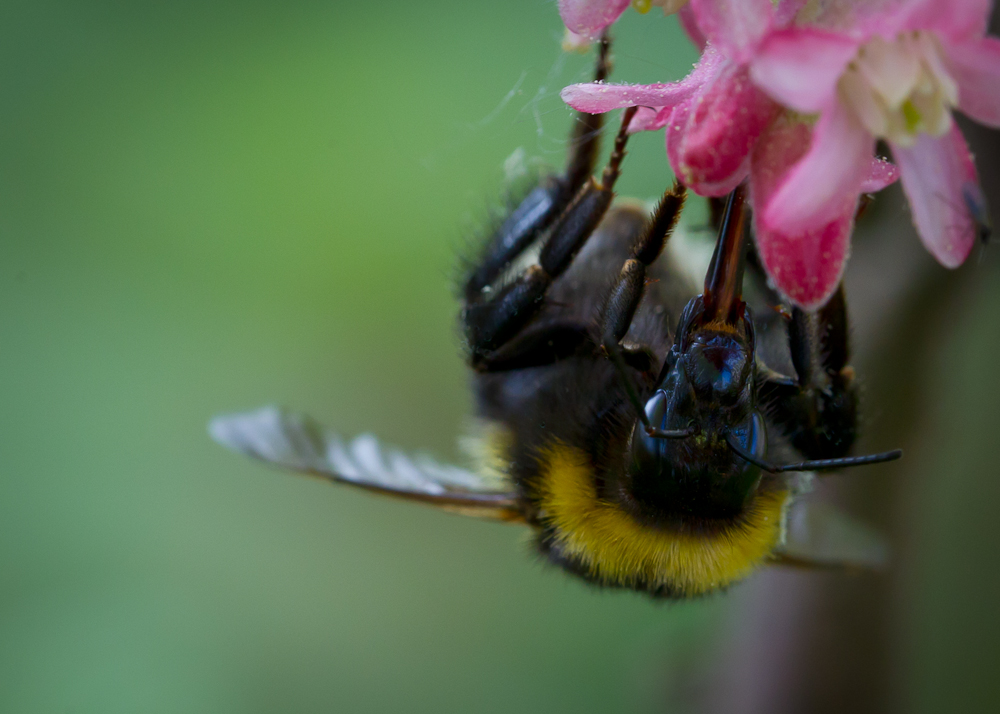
x,y
819,535
295,441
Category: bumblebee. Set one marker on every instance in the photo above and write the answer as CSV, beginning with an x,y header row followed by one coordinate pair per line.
x,y
627,418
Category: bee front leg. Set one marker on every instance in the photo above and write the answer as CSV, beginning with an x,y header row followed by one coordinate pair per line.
x,y
626,294
817,409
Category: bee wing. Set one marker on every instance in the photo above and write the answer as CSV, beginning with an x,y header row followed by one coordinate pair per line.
x,y
818,535
296,442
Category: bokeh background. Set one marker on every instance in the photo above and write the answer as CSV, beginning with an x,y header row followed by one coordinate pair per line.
x,y
208,206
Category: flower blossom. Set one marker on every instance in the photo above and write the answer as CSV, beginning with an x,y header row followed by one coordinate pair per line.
x,y
795,95
894,73
588,18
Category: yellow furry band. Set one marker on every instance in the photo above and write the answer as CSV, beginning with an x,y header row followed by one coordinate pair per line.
x,y
617,549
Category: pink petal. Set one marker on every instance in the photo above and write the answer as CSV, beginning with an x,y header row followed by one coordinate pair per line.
x,y
804,266
725,184
689,23
813,191
647,119
733,26
589,17
598,97
881,173
786,10
572,42
800,67
676,127
954,20
938,177
710,141
975,66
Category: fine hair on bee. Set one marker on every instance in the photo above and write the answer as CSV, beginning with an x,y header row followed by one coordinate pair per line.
x,y
627,414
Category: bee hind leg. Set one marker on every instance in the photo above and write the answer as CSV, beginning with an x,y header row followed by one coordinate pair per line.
x,y
490,325
585,140
543,204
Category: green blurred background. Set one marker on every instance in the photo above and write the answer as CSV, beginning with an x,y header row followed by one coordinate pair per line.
x,y
209,206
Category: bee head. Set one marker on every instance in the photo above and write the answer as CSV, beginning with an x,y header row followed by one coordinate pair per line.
x,y
681,461
705,393
710,368
717,366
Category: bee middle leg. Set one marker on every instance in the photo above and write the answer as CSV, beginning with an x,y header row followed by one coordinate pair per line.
x,y
817,409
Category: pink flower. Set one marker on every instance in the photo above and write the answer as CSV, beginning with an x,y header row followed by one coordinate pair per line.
x,y
891,71
716,113
588,18
714,119
844,73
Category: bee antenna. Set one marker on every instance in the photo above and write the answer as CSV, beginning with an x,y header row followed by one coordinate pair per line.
x,y
815,465
670,433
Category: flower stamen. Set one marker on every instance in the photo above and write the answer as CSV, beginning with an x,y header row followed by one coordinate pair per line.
x,y
669,6
900,88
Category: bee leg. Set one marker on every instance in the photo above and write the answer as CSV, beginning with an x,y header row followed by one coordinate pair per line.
x,y
525,223
543,203
538,346
490,325
626,294
585,141
818,408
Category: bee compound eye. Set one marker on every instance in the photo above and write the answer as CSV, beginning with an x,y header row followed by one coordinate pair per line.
x,y
656,408
752,436
647,450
